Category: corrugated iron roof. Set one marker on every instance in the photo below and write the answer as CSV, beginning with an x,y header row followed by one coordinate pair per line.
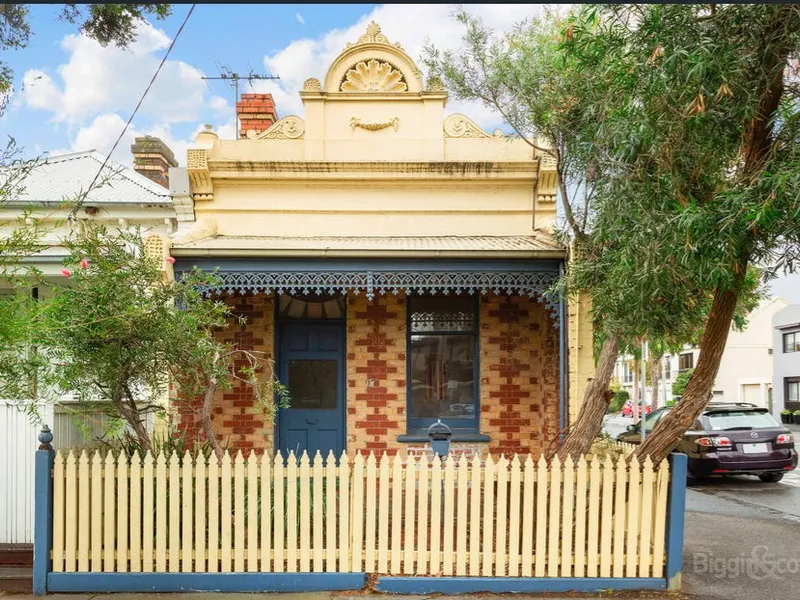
x,y
64,177
537,243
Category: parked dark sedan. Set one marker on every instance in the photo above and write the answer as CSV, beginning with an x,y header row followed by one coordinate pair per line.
x,y
730,439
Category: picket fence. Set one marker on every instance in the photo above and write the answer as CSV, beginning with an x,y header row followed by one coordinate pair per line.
x,y
393,515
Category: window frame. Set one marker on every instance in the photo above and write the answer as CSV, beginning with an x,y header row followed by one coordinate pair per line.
x,y
667,367
787,382
627,373
691,359
419,425
795,343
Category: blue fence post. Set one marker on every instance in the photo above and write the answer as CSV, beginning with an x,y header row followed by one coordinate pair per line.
x,y
43,512
676,509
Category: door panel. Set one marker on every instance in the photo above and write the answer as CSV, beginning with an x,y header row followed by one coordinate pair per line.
x,y
312,367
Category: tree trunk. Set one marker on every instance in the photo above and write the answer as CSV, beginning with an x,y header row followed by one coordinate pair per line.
x,y
637,390
655,374
670,429
205,411
132,416
595,403
205,418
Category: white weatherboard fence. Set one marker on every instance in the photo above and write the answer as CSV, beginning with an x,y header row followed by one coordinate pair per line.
x,y
392,515
17,444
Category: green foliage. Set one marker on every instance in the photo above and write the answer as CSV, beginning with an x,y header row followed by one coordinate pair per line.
x,y
786,411
171,441
619,399
119,331
681,381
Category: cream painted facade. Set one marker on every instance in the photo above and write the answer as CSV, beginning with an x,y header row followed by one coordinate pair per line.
x,y
376,169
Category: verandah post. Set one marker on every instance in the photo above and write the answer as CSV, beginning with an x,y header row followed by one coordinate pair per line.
x,y
43,512
676,509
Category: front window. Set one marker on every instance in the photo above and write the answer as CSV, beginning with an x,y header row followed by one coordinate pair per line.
x,y
791,342
442,361
685,362
667,368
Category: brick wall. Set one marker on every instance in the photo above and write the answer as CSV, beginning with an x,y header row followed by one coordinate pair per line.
x,y
376,373
519,375
236,419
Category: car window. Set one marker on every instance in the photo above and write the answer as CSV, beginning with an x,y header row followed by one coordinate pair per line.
x,y
740,419
651,420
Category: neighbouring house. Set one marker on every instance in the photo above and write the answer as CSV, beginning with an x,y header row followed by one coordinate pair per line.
x,y
128,197
786,359
393,260
745,371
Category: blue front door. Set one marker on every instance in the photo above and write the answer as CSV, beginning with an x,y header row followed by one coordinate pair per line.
x,y
311,356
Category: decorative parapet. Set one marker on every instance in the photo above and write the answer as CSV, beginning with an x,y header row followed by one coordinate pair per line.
x,y
373,76
157,246
199,175
460,126
356,122
536,284
312,84
373,35
287,128
547,182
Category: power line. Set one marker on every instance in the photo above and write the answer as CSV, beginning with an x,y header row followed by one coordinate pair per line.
x,y
82,198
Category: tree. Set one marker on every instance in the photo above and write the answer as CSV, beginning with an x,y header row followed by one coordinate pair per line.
x,y
708,183
106,23
120,331
558,100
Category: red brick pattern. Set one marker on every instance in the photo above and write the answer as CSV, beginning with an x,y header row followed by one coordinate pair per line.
x,y
238,422
519,375
256,112
376,373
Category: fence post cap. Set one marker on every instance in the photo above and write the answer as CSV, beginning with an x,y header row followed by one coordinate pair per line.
x,y
45,437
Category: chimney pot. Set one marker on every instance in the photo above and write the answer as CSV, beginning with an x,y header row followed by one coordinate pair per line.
x,y
153,158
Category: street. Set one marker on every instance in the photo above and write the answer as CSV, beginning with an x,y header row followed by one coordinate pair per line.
x,y
741,535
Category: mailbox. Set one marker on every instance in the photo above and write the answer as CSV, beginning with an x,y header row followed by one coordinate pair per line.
x,y
439,434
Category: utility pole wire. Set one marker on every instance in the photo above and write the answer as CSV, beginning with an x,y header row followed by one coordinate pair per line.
x,y
83,196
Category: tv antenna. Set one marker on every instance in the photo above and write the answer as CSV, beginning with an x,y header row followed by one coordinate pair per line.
x,y
232,80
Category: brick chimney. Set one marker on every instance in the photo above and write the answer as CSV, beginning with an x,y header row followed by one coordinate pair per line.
x,y
153,158
256,112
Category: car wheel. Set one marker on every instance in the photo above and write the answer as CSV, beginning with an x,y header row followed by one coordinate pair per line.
x,y
770,477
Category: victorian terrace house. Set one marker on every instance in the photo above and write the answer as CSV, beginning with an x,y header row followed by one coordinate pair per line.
x,y
392,260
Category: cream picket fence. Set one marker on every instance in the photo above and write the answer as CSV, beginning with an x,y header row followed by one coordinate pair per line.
x,y
393,515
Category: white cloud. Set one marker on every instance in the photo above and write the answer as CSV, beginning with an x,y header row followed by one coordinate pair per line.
x,y
300,18
103,131
39,90
410,25
97,80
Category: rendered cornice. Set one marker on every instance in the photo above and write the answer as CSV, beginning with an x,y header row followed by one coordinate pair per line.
x,y
337,169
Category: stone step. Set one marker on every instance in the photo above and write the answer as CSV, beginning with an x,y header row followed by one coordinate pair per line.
x,y
18,580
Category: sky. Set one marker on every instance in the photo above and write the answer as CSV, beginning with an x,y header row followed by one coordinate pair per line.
x,y
70,94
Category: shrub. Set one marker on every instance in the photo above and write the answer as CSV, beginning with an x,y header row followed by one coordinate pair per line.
x,y
620,397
